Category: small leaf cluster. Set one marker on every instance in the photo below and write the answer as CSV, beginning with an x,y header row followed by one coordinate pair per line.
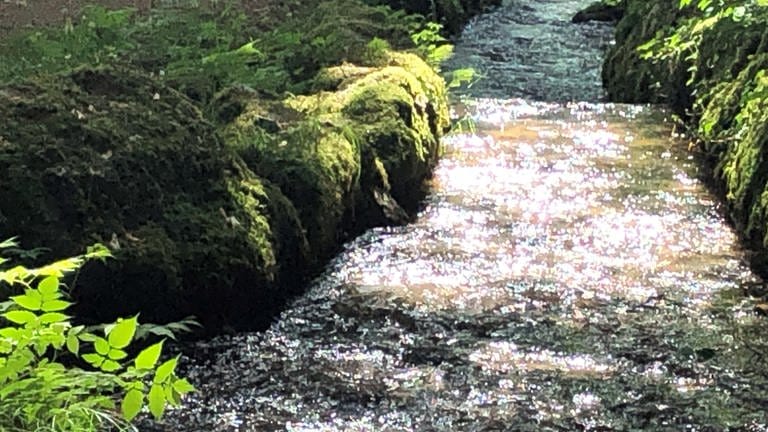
x,y
40,384
683,41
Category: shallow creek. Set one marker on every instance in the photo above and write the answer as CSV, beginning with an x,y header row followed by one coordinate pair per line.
x,y
568,272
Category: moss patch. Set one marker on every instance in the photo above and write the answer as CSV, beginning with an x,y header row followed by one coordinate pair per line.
x,y
112,156
350,156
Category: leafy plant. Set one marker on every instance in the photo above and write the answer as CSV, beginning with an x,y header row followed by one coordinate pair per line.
x,y
431,45
41,386
685,39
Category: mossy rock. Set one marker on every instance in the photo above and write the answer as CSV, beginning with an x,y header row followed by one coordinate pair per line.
x,y
113,156
314,160
628,77
734,124
398,112
607,10
350,156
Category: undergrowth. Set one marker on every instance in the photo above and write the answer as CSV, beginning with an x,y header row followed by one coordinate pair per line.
x,y
203,50
58,376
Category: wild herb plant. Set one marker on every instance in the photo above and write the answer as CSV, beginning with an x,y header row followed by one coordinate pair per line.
x,y
43,387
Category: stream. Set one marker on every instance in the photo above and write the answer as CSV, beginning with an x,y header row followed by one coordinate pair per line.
x,y
568,272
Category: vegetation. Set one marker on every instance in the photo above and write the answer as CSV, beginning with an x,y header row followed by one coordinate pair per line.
x,y
42,386
201,51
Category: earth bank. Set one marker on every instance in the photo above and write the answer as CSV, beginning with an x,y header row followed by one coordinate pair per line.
x,y
711,68
218,200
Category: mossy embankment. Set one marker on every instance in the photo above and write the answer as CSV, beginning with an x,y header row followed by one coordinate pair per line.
x,y
223,161
710,67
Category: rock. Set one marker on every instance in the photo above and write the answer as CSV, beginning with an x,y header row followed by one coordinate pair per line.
x,y
93,156
600,11
349,158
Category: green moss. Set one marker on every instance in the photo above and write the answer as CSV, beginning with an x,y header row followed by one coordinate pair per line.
x,y
399,111
627,76
346,158
113,156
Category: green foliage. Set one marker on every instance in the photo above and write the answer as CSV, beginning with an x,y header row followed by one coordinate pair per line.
x,y
376,51
431,45
203,50
39,387
682,43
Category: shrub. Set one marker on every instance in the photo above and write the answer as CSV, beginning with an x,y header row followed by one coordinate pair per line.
x,y
42,386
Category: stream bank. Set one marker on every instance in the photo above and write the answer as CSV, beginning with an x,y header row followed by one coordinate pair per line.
x,y
714,77
222,159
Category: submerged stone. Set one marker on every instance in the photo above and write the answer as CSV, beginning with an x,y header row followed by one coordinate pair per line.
x,y
600,11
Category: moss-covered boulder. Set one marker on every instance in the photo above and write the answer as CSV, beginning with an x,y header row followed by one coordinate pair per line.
x,y
105,155
350,156
630,77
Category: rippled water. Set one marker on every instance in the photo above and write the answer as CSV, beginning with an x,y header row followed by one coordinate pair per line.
x,y
568,272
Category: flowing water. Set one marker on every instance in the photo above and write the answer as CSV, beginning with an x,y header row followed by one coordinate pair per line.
x,y
568,272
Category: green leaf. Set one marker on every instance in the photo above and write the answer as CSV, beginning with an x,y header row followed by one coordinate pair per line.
x,y
87,337
94,359
110,365
20,317
53,317
102,346
122,333
55,305
131,405
172,397
10,333
156,400
165,370
73,343
4,306
49,286
117,354
162,331
11,242
30,302
58,268
147,358
183,386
